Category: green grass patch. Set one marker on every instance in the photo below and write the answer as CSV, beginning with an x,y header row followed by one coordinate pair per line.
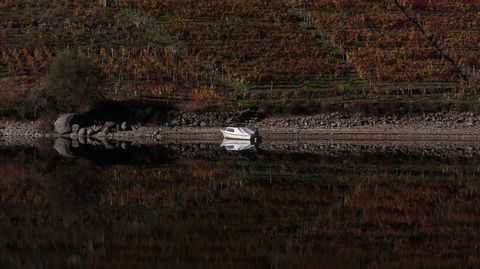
x,y
154,32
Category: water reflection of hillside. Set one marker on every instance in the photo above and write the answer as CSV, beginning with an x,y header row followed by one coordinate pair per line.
x,y
197,205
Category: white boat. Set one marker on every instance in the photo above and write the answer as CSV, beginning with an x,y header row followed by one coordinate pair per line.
x,y
241,133
237,145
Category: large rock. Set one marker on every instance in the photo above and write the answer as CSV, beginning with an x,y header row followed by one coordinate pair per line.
x,y
105,130
82,132
62,146
75,143
109,124
90,131
124,126
75,128
63,125
97,128
106,144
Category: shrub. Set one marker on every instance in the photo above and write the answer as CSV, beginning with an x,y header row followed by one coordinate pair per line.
x,y
32,104
74,82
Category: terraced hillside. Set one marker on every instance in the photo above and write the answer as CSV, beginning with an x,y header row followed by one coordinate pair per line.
x,y
252,52
412,46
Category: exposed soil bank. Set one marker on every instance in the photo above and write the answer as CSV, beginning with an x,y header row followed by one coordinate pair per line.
x,y
336,126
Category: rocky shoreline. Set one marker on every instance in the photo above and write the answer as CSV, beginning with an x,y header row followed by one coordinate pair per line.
x,y
439,135
447,126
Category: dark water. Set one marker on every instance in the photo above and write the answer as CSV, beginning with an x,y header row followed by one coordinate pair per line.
x,y
201,206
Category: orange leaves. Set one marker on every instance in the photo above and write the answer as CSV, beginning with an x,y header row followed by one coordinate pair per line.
x,y
24,60
221,43
381,42
206,94
253,40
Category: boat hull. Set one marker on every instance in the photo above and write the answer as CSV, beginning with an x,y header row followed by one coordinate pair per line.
x,y
236,136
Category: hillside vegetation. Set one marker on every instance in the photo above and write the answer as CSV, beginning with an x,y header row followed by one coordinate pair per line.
x,y
274,53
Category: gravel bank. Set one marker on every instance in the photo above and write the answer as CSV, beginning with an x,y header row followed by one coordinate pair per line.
x,y
336,126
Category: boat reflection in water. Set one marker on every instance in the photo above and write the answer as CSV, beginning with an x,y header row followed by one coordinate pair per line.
x,y
238,145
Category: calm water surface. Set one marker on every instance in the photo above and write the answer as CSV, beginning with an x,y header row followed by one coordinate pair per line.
x,y
202,206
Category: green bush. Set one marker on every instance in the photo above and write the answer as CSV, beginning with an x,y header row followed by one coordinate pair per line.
x,y
32,104
74,82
